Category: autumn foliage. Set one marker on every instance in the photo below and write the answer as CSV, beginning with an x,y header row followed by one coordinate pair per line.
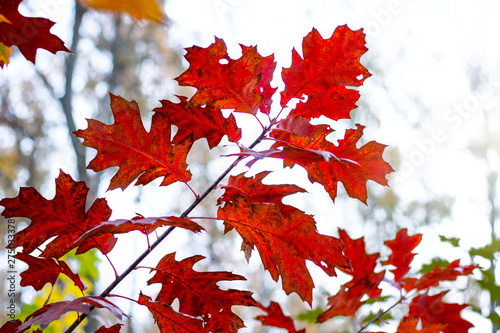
x,y
317,86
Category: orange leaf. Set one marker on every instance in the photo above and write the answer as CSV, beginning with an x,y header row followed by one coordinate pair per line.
x,y
285,240
63,217
401,256
224,83
27,33
201,122
137,9
431,310
137,153
327,64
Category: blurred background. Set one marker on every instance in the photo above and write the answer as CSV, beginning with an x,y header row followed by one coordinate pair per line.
x,y
433,99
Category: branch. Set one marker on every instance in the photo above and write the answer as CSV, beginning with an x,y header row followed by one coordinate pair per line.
x,y
195,203
382,313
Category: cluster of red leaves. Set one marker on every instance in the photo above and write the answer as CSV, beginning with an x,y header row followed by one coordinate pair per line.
x,y
284,236
425,310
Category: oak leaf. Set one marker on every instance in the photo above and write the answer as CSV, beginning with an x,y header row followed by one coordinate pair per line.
x,y
223,83
326,64
45,270
402,255
275,317
284,240
53,311
347,301
363,265
201,122
144,224
113,329
27,33
63,217
137,9
344,162
198,293
409,325
137,153
170,321
431,310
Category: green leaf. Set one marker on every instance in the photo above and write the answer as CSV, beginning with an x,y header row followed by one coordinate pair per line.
x,y
453,241
310,316
487,251
488,283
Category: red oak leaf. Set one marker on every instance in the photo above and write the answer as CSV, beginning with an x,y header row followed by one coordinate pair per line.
x,y
345,163
362,264
347,301
53,311
438,274
224,83
27,33
327,64
145,225
198,293
41,270
202,122
409,325
335,105
11,326
285,240
401,256
137,153
431,310
113,329
170,321
256,191
276,318
63,217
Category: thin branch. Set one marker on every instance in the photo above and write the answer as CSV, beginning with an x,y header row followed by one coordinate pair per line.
x,y
195,203
382,313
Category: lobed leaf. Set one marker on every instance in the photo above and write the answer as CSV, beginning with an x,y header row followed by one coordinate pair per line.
x,y
137,153
137,9
198,293
27,33
63,217
275,317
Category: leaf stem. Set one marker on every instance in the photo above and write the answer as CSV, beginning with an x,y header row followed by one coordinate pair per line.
x,y
380,314
195,203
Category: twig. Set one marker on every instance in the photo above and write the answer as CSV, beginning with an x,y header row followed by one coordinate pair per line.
x,y
377,317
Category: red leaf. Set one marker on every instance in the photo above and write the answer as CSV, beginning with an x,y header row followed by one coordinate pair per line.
x,y
255,191
113,329
41,270
285,240
11,326
347,301
224,83
27,33
145,225
63,217
137,153
438,274
431,310
202,122
334,105
362,264
402,256
409,325
276,318
199,294
53,311
170,321
346,163
327,64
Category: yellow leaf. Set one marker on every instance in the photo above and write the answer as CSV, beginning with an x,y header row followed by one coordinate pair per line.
x,y
4,19
138,9
4,54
